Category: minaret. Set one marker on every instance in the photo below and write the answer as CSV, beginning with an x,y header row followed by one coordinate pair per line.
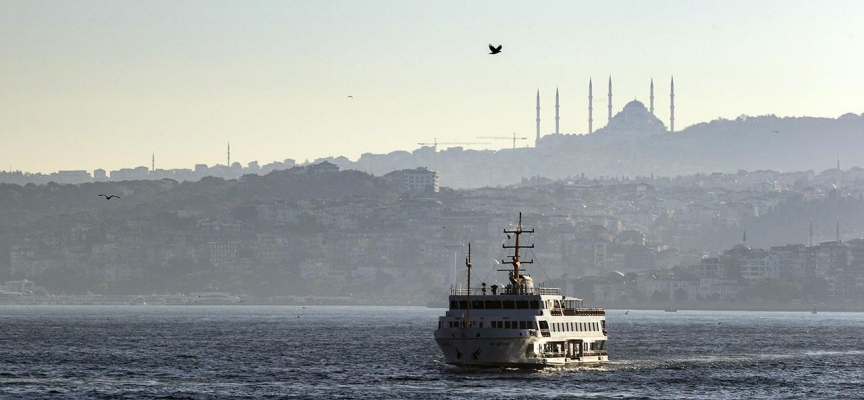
x,y
838,230
672,107
745,237
837,177
229,154
590,107
153,163
652,97
811,232
556,111
610,98
538,119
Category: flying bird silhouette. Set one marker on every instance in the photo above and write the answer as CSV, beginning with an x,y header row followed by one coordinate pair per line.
x,y
494,50
776,131
350,96
107,197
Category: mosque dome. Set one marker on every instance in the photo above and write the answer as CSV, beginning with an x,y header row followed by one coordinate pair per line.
x,y
633,120
740,248
634,105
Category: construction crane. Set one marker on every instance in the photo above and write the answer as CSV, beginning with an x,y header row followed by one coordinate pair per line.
x,y
504,137
435,144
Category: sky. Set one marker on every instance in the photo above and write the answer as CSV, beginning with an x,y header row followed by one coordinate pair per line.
x,y
105,84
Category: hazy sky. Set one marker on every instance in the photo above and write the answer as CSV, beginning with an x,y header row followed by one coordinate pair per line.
x,y
90,84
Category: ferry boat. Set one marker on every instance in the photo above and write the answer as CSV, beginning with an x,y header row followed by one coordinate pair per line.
x,y
520,325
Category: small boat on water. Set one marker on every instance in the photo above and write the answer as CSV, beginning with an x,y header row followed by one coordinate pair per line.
x,y
519,325
670,310
214,298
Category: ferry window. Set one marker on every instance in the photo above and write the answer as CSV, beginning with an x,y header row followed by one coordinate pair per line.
x,y
544,325
523,325
454,305
500,324
509,305
463,304
493,304
535,305
533,324
451,323
570,327
481,324
478,304
521,304
603,324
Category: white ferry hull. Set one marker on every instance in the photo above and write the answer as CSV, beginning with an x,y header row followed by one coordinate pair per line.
x,y
510,352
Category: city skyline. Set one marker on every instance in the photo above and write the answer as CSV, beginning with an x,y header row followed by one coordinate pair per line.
x,y
105,85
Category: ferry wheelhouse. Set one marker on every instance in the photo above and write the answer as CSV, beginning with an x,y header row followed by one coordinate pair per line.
x,y
519,325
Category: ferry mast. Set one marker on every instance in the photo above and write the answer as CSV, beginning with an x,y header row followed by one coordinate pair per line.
x,y
516,280
468,298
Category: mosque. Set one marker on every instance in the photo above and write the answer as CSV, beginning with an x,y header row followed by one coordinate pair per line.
x,y
632,121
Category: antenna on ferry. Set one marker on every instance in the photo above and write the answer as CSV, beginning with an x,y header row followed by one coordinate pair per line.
x,y
515,279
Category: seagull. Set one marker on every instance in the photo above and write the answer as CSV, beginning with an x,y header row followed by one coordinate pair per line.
x,y
107,197
494,50
350,96
776,131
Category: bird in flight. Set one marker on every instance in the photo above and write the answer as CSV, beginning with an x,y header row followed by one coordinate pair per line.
x,y
350,96
494,50
776,131
107,197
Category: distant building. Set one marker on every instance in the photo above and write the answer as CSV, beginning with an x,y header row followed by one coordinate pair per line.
x,y
100,175
415,180
323,167
129,174
77,176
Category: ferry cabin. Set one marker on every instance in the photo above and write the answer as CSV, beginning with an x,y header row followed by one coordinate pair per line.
x,y
537,329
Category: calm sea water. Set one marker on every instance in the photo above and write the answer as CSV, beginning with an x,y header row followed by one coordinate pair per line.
x,y
388,353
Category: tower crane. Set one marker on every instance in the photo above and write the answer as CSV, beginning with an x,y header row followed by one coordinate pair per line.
x,y
514,138
435,144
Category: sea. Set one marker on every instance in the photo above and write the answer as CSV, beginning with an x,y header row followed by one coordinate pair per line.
x,y
330,352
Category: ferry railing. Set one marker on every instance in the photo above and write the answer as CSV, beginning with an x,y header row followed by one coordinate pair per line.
x,y
534,291
583,311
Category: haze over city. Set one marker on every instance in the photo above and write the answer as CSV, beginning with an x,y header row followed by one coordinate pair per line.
x,y
101,84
